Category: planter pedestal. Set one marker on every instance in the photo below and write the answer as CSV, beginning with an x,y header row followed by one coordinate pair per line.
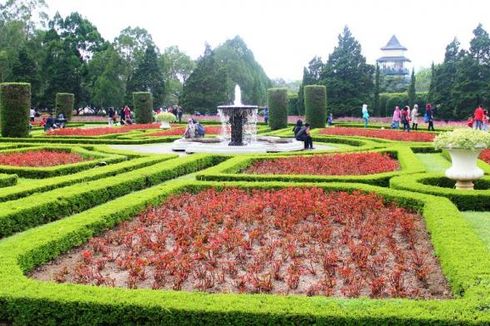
x,y
165,125
464,169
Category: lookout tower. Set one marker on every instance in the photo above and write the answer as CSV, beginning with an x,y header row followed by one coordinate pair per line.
x,y
393,59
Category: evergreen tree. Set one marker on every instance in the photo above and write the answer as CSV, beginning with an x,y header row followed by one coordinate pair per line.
x,y
311,76
149,77
109,87
376,104
347,76
411,90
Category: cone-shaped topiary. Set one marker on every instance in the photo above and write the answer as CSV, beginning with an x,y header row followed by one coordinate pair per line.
x,y
143,107
15,103
277,99
315,105
64,104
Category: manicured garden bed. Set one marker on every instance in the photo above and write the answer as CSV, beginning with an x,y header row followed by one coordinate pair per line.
x,y
179,131
334,164
100,131
414,136
40,158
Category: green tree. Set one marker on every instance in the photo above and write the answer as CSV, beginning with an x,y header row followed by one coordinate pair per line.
x,y
411,90
376,105
149,77
347,76
177,67
422,80
110,85
311,76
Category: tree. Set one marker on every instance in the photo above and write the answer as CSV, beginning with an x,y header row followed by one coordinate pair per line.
x,y
411,90
376,104
148,77
422,80
311,76
347,76
177,67
110,85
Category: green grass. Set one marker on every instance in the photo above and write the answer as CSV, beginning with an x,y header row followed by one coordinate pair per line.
x,y
434,162
480,221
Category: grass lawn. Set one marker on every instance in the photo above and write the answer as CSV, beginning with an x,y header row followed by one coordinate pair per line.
x,y
480,221
434,162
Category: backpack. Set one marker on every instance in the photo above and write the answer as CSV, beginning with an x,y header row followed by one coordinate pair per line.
x,y
200,130
426,117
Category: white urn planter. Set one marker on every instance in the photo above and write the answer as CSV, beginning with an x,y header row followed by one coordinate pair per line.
x,y
464,169
165,125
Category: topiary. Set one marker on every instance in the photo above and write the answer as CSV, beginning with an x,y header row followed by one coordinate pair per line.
x,y
64,104
315,105
277,99
15,103
143,107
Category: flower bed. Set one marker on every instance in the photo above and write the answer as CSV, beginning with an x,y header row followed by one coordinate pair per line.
x,y
179,131
485,155
337,164
382,133
100,131
338,244
41,158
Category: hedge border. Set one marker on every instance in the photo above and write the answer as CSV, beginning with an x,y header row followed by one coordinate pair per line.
x,y
464,259
21,214
7,180
229,170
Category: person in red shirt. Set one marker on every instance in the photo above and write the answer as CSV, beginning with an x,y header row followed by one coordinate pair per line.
x,y
478,117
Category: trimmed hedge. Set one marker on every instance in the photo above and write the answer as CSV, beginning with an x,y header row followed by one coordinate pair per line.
x,y
24,213
143,107
277,100
15,104
64,104
231,170
316,105
7,180
464,259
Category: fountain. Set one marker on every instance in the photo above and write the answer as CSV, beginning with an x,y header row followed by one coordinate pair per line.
x,y
238,133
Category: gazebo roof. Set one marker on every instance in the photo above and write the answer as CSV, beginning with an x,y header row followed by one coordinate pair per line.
x,y
393,59
393,44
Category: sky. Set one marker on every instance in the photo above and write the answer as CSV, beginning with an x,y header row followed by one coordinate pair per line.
x,y
285,35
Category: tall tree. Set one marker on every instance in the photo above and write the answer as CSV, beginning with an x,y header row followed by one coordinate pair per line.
x,y
311,75
148,77
411,90
110,85
377,79
177,67
347,76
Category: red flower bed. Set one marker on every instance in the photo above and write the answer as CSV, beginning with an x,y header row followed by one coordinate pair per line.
x,y
292,240
41,158
381,133
335,164
100,131
179,131
485,156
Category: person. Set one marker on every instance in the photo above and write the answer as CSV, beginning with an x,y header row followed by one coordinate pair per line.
x,y
478,117
395,124
127,113
60,121
413,117
297,127
429,116
470,121
485,121
49,123
405,118
110,115
200,130
365,115
304,135
190,131
32,115
266,115
180,112
330,119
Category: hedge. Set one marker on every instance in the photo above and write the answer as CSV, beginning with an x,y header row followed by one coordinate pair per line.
x,y
316,105
231,170
36,186
7,180
64,104
143,107
277,99
15,104
464,259
21,214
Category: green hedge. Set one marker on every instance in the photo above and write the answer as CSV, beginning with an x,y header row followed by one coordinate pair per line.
x,y
21,214
464,259
388,101
277,99
36,186
143,107
15,104
64,104
316,105
231,170
7,180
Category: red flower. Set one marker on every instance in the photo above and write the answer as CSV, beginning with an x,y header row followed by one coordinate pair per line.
x,y
380,133
41,158
100,131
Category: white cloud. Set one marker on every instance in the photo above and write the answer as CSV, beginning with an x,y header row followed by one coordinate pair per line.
x,y
285,35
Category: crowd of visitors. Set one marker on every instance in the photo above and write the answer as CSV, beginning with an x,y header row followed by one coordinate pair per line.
x,y
408,118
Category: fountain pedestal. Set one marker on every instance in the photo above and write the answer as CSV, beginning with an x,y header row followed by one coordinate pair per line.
x,y
238,116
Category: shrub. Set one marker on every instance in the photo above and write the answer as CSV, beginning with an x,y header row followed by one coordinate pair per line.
x,y
316,105
64,104
15,103
277,98
143,107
